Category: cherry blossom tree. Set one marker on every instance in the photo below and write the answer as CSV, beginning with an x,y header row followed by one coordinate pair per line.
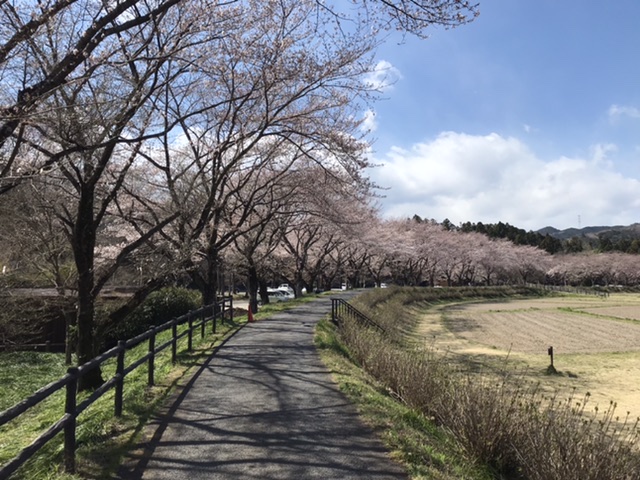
x,y
85,30
376,235
279,96
256,245
45,46
30,234
211,97
331,205
90,132
492,257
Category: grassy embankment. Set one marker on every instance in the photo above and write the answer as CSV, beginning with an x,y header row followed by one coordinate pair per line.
x,y
496,420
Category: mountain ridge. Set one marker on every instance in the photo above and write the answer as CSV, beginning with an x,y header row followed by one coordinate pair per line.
x,y
622,231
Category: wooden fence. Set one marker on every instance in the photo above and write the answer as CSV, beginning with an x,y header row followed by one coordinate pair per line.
x,y
196,319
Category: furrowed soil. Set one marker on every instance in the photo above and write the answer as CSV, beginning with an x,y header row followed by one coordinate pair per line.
x,y
596,343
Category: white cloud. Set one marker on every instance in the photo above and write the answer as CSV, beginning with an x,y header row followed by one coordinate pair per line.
x,y
383,76
617,111
600,153
491,178
369,123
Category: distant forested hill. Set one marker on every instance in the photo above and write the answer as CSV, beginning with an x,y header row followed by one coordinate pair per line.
x,y
605,238
571,240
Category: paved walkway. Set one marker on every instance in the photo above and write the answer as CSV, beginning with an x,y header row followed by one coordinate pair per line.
x,y
263,407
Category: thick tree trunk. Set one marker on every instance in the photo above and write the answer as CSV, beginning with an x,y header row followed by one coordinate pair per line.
x,y
59,282
83,244
298,284
210,292
86,347
327,282
210,286
264,296
253,286
313,283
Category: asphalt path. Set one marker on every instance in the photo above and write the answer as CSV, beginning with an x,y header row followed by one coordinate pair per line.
x,y
263,407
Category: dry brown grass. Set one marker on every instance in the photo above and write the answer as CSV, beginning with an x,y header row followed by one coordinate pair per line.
x,y
596,346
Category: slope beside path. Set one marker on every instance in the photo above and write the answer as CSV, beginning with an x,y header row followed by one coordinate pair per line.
x,y
263,407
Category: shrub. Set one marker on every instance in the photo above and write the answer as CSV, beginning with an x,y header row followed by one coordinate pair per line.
x,y
159,307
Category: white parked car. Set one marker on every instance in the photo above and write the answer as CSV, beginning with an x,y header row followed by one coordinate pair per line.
x,y
286,288
287,293
276,296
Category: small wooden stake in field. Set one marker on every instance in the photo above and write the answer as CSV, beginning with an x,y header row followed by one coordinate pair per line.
x,y
551,370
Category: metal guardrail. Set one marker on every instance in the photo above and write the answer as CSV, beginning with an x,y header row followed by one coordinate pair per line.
x,y
67,423
342,311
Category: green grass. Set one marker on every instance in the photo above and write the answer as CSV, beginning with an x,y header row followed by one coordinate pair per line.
x,y
102,439
425,450
17,384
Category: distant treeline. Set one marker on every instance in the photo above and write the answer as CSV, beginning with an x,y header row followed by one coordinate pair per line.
x,y
613,240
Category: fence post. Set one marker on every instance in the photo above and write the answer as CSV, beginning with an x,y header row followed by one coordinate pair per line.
x,y
214,312
120,378
70,426
152,356
174,343
333,311
231,310
203,320
190,334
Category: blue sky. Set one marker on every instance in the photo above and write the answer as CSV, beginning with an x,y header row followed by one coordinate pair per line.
x,y
529,115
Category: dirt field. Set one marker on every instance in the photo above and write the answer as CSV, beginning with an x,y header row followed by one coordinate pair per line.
x,y
596,342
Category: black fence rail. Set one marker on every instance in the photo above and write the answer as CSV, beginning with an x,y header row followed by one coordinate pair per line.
x,y
342,311
194,320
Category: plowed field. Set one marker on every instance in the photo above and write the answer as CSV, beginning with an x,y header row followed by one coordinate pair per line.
x,y
534,329
596,341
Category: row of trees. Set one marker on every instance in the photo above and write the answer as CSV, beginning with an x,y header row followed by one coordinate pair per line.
x,y
361,249
155,136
